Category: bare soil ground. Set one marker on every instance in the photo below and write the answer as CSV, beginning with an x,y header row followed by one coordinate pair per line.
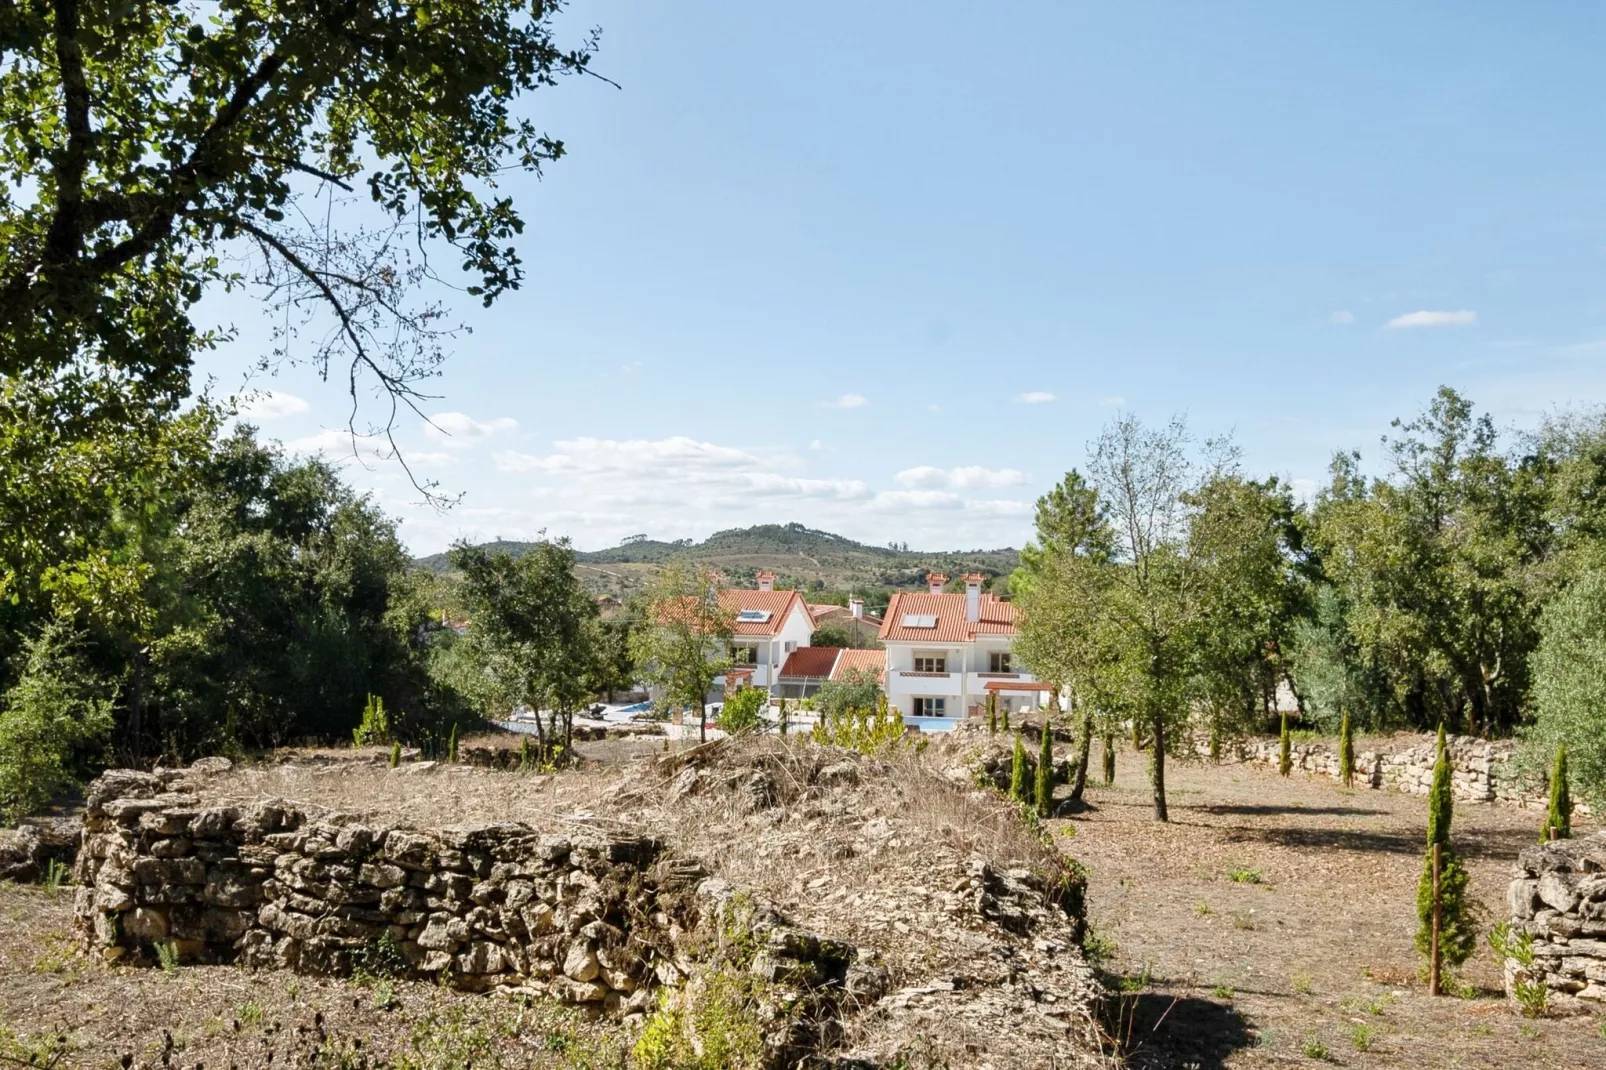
x,y
1307,956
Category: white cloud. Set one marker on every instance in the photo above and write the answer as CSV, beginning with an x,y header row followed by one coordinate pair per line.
x,y
272,405
1462,318
1113,401
816,445
457,430
339,444
963,478
849,401
1034,397
1343,317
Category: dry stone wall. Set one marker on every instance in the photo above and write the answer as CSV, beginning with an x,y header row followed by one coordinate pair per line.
x,y
1558,899
586,917
1484,770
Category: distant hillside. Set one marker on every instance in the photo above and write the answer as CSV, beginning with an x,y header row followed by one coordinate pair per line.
x,y
802,557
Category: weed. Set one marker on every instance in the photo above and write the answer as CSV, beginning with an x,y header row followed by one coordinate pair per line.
x,y
292,988
1302,984
1097,948
1376,1007
1139,981
1361,1036
1532,994
1483,1029
385,995
56,874
58,956
1314,1048
1203,909
1528,1032
1222,992
249,1015
167,957
1601,1029
1244,875
1243,921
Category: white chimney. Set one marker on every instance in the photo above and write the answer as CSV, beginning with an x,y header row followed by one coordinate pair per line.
x,y
856,607
766,581
937,580
972,597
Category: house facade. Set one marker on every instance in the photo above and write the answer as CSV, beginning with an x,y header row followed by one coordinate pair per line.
x,y
945,653
769,625
809,668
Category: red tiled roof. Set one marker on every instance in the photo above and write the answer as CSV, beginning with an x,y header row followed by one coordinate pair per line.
x,y
997,618
778,604
873,660
815,661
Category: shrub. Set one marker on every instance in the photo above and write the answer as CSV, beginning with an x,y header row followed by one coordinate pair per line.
x,y
1043,785
1457,936
1560,817
867,731
395,754
1346,753
451,746
375,725
1569,685
54,722
742,711
859,689
992,713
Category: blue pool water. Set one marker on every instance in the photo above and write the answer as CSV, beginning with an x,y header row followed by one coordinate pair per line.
x,y
931,724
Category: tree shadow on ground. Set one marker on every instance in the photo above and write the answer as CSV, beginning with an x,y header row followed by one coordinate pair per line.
x,y
1496,844
1257,809
1160,1031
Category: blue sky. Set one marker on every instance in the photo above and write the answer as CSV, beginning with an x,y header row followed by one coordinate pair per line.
x,y
887,268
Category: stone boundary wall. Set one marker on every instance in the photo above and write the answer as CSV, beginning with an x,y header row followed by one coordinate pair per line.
x,y
1484,770
1558,898
587,918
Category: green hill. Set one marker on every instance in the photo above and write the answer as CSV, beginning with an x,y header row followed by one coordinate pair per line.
x,y
802,557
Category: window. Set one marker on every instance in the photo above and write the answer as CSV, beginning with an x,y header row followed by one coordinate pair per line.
x,y
999,662
931,707
931,664
791,645
744,655
919,620
753,616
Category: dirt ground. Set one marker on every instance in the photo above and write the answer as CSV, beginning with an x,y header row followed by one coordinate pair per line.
x,y
1307,956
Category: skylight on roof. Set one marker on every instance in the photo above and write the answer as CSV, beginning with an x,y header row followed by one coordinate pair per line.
x,y
754,616
919,620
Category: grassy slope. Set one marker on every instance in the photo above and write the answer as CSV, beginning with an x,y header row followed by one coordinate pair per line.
x,y
799,555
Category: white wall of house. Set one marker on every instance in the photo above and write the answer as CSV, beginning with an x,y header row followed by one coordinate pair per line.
x,y
967,668
769,653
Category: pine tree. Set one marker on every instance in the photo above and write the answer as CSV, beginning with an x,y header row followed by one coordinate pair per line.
x,y
1017,772
1346,753
1458,935
1285,757
1043,793
992,713
1109,760
1560,817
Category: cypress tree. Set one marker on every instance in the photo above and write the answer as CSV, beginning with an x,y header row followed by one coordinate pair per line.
x,y
1346,754
1044,786
1017,772
784,724
1004,720
451,746
1285,757
1109,759
992,713
524,754
1458,935
395,755
1560,817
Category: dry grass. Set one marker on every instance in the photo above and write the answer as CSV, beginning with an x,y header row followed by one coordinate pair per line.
x,y
1322,943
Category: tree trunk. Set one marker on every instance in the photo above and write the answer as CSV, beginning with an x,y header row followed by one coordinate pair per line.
x,y
1160,813
702,722
1079,780
1109,759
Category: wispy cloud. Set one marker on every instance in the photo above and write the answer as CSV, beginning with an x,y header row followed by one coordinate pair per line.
x,y
1034,397
272,405
458,430
964,477
1461,318
849,401
1343,317
1113,401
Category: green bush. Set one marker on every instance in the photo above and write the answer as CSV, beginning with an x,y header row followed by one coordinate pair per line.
x,y
54,723
867,731
743,711
859,689
1560,817
1569,686
375,725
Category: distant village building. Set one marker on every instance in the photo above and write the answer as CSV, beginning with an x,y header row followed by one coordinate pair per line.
x,y
768,626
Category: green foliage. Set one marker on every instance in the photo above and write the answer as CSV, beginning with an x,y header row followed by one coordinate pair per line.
x,y
1003,720
1346,753
167,957
992,713
857,689
1043,782
721,1030
743,711
1285,759
1019,775
451,746
1516,952
845,636
1559,819
374,726
1569,692
526,759
1244,875
54,722
868,731
1457,932
684,645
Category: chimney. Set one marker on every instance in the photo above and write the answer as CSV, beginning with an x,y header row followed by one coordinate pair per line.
x,y
938,581
766,581
856,607
973,596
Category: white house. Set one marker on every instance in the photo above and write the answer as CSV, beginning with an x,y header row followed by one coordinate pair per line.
x,y
769,626
946,652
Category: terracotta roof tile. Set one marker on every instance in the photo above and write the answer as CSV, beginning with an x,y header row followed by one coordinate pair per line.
x,y
873,660
778,604
997,618
816,661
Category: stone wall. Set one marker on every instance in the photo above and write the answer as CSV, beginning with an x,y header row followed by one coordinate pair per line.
x,y
586,917
1484,770
1558,899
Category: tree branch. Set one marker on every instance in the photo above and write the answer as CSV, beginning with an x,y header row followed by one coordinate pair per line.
x,y
66,232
